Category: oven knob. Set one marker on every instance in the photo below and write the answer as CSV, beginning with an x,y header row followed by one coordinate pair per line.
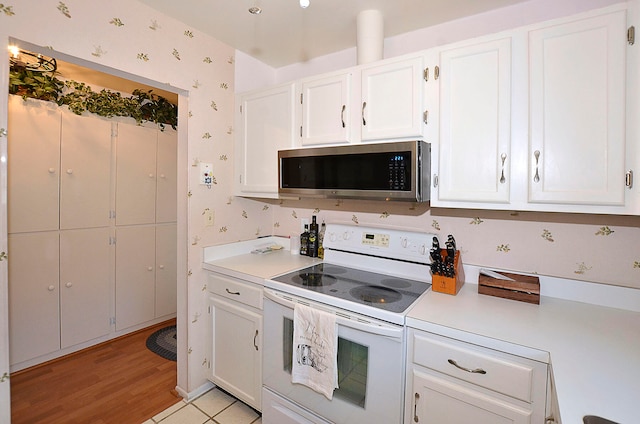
x,y
332,237
423,250
404,242
346,235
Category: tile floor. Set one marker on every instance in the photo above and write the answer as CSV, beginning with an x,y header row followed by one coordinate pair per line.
x,y
213,407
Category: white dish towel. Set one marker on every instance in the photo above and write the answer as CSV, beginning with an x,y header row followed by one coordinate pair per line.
x,y
315,350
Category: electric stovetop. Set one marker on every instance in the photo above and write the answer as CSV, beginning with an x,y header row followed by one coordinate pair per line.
x,y
381,291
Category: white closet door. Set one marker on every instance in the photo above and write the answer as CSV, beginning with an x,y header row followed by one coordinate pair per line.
x,y
135,275
167,181
135,174
33,165
166,255
85,275
34,324
85,172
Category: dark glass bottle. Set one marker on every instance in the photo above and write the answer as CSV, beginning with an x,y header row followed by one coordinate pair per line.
x,y
313,238
323,228
304,241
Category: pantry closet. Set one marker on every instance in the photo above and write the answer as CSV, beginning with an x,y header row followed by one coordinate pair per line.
x,y
92,228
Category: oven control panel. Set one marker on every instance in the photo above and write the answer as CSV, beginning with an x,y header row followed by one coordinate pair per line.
x,y
391,243
375,239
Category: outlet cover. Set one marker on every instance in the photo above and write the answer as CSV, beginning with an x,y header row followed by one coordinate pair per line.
x,y
209,217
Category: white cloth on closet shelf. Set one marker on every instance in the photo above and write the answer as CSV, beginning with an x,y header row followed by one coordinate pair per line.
x,y
315,350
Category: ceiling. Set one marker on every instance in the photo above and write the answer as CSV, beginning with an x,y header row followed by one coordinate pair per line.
x,y
284,33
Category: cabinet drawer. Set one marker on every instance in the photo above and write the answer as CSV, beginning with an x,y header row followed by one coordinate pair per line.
x,y
501,372
233,289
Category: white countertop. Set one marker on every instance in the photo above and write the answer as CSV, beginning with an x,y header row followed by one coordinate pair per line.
x,y
235,260
594,351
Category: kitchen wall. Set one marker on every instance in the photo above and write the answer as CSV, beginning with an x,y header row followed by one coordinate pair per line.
x,y
594,248
131,38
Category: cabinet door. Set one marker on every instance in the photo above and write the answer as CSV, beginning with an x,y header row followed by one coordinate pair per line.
x,y
266,126
475,130
326,107
577,110
85,177
85,277
392,100
167,171
135,275
237,366
33,165
437,400
34,316
166,274
135,174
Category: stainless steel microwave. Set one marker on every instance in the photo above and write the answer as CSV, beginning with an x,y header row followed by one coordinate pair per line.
x,y
376,171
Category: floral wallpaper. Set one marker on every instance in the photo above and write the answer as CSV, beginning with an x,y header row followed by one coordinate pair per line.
x,y
131,37
593,248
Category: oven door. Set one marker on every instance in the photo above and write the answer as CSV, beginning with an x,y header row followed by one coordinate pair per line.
x,y
370,365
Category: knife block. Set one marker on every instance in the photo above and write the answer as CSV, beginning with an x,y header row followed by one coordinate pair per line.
x,y
449,285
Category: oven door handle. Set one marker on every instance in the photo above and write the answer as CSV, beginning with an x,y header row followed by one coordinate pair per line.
x,y
391,332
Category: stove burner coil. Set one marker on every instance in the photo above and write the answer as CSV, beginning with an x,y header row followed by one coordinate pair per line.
x,y
375,294
313,279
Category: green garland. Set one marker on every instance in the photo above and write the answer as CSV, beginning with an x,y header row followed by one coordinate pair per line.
x,y
79,97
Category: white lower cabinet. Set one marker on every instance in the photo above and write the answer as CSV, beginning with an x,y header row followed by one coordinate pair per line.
x,y
236,344
58,290
145,273
457,382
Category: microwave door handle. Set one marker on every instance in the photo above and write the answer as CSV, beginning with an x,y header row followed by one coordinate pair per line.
x,y
390,332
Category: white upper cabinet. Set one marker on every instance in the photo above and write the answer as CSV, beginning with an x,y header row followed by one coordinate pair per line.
x,y
326,108
265,123
534,118
391,100
85,176
135,174
167,176
577,112
474,148
33,179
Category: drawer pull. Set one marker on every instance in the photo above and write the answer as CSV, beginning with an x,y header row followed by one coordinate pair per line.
x,y
254,340
476,371
415,408
230,292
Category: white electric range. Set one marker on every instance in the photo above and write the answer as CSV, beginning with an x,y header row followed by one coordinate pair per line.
x,y
369,279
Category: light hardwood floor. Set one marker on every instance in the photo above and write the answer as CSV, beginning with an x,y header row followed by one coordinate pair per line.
x,y
120,381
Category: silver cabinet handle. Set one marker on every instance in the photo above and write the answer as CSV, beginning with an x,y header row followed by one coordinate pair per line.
x,y
342,115
503,157
415,408
425,117
425,74
364,105
436,72
254,340
230,292
536,177
475,371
